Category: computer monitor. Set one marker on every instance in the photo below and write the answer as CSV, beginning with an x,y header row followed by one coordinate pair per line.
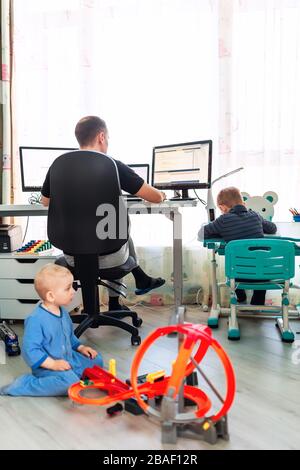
x,y
141,169
182,166
35,162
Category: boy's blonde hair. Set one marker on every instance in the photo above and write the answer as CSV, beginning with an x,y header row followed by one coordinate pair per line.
x,y
47,278
229,197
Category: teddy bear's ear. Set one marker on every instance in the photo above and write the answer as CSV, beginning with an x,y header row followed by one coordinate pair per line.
x,y
271,197
245,196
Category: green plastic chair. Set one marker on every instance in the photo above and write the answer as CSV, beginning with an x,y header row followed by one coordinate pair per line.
x,y
265,264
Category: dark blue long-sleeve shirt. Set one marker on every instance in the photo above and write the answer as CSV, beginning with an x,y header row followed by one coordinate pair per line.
x,y
238,223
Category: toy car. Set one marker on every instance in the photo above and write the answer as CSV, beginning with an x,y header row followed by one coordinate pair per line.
x,y
10,339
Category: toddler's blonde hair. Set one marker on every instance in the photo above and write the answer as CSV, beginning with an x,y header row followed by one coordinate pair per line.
x,y
48,277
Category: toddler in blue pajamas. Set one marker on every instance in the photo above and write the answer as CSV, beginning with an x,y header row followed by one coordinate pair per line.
x,y
56,357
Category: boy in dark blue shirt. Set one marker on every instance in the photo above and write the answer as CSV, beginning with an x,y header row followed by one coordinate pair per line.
x,y
235,223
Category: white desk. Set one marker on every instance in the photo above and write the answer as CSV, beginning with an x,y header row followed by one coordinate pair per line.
x,y
288,230
171,209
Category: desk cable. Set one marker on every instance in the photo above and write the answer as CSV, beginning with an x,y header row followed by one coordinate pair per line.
x,y
199,198
35,198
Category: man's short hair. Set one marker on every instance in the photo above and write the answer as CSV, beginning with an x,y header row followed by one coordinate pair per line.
x,y
87,129
229,197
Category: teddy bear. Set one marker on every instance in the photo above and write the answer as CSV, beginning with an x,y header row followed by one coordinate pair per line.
x,y
263,205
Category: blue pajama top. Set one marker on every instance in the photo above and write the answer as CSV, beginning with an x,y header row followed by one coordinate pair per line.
x,y
48,335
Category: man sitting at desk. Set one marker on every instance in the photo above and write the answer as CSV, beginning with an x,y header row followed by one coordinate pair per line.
x,y
235,223
92,135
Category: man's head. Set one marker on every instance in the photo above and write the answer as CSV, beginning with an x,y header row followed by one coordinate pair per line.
x,y
228,198
91,133
54,284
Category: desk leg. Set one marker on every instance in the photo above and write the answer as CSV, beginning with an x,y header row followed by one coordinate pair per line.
x,y
178,314
213,318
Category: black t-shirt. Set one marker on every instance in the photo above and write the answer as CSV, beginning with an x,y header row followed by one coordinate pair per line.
x,y
130,182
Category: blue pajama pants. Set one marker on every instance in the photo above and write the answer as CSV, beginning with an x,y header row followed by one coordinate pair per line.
x,y
50,383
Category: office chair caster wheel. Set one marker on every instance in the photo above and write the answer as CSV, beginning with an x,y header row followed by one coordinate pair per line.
x,y
136,340
137,322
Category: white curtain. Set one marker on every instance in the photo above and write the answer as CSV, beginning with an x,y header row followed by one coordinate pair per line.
x,y
163,72
260,98
6,128
149,69
259,118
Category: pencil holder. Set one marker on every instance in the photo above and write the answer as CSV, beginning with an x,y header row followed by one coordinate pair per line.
x,y
296,218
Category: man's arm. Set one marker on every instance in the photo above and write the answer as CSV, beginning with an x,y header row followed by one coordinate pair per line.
x,y
45,201
133,184
151,194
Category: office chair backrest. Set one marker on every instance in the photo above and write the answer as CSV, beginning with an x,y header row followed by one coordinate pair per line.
x,y
260,259
80,182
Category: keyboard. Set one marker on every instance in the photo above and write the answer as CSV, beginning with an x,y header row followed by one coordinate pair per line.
x,y
132,198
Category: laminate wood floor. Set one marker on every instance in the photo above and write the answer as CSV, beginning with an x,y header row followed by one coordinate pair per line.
x,y
265,413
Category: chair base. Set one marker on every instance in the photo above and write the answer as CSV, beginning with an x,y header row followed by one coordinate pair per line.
x,y
94,321
287,335
119,314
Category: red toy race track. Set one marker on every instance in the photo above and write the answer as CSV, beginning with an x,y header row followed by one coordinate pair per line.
x,y
98,378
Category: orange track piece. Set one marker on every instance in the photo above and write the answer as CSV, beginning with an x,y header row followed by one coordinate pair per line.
x,y
183,366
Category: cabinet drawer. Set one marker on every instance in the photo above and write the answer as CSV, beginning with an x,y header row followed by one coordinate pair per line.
x,y
19,309
17,289
16,309
22,268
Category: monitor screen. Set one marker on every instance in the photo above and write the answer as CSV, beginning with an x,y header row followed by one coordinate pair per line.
x,y
182,166
35,162
142,170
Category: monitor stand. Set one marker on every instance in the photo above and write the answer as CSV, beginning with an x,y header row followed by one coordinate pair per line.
x,y
183,196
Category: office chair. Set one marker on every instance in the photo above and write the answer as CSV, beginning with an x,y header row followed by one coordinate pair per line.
x,y
260,264
87,218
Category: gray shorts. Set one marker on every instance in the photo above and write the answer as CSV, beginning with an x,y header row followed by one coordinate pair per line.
x,y
112,261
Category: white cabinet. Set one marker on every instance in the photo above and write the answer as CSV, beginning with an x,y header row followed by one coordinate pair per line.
x,y
17,294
